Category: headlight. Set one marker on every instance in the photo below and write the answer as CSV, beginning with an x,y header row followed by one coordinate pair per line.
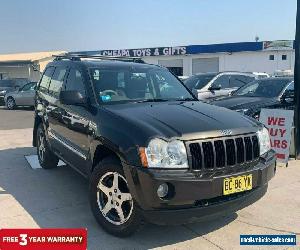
x,y
162,154
264,140
3,92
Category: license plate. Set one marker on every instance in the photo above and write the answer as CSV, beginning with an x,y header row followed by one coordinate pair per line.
x,y
237,184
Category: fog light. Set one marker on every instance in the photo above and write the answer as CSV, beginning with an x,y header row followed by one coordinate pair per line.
x,y
162,190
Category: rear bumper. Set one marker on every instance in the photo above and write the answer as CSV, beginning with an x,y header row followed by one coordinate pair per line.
x,y
194,197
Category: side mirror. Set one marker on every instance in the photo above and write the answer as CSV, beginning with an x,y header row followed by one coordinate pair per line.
x,y
72,97
216,87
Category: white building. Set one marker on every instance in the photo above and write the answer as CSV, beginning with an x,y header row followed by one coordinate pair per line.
x,y
268,56
25,65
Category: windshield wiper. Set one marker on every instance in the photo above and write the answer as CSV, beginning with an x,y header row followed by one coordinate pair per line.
x,y
186,99
150,100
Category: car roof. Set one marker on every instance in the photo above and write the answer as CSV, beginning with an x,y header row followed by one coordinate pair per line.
x,y
103,63
287,79
226,72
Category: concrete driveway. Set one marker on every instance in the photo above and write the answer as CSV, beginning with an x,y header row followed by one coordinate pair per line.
x,y
38,198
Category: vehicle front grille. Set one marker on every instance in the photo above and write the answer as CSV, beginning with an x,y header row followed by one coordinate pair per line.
x,y
219,153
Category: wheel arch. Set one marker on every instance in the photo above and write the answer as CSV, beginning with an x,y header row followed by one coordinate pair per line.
x,y
103,151
37,121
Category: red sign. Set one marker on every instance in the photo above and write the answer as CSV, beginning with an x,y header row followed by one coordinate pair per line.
x,y
46,239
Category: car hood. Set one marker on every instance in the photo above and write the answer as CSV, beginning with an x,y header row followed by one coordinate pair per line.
x,y
7,89
244,102
11,92
185,120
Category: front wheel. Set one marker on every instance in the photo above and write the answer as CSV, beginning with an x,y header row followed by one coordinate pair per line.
x,y
10,103
111,201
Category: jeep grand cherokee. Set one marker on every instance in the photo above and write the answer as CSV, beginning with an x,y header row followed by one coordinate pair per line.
x,y
151,150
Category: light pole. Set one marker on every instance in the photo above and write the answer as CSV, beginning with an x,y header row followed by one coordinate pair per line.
x,y
297,83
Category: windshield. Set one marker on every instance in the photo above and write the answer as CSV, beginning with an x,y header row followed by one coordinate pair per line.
x,y
198,81
263,88
7,83
137,85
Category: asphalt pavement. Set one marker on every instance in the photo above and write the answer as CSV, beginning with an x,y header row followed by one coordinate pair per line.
x,y
38,198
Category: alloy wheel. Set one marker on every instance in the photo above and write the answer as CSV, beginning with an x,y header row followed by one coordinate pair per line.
x,y
10,103
41,146
113,198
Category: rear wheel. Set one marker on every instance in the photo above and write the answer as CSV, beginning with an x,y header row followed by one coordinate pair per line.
x,y
10,103
111,201
47,158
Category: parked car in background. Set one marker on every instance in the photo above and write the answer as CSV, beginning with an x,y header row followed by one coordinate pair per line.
x,y
211,85
260,75
24,96
284,73
183,78
273,93
9,85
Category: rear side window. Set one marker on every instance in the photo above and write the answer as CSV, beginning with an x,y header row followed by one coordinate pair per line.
x,y
57,81
75,81
44,84
240,80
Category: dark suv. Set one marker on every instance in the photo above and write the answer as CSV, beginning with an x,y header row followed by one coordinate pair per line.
x,y
150,149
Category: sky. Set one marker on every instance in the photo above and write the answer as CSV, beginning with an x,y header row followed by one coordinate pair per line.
x,y
76,25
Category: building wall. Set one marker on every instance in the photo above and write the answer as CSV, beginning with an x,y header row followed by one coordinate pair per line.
x,y
240,61
15,71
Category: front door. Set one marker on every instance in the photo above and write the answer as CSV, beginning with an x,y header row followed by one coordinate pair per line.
x,y
26,95
74,124
220,87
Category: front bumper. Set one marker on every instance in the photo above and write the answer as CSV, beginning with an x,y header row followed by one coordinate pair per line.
x,y
194,197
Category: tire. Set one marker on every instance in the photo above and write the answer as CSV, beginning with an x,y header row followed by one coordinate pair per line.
x,y
47,158
112,205
10,103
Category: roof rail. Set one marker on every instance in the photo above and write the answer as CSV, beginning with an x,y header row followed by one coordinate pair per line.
x,y
78,57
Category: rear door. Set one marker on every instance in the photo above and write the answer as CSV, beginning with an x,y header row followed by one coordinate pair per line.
x,y
54,108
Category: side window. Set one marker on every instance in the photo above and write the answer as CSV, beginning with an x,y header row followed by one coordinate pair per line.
x,y
44,84
290,89
28,86
222,81
57,81
75,82
237,81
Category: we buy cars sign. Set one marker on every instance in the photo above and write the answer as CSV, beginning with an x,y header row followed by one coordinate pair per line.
x,y
279,123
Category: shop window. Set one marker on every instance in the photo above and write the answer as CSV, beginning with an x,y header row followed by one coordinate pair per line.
x,y
271,57
284,57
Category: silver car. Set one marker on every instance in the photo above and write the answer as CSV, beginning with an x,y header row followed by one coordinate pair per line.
x,y
211,85
21,97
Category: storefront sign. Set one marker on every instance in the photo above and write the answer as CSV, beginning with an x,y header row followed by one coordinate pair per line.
x,y
278,45
160,51
279,123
